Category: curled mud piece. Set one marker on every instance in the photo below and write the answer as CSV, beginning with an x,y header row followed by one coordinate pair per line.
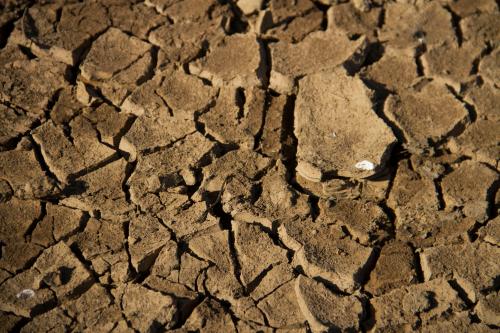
x,y
426,113
118,75
247,62
324,51
337,130
61,32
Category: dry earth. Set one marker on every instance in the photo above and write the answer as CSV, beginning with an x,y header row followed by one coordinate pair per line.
x,y
249,166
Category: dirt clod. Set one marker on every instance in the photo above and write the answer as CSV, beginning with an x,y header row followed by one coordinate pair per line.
x,y
249,166
335,111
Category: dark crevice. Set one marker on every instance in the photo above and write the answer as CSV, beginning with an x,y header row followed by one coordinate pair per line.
x,y
81,226
126,319
148,32
475,66
67,131
139,81
485,52
439,194
264,69
288,139
256,282
418,265
123,131
201,54
313,204
288,155
266,61
381,19
13,142
469,107
38,155
269,95
96,93
27,52
321,6
186,308
493,191
20,324
355,37
274,236
224,218
473,233
34,223
150,72
126,230
324,22
165,104
225,222
192,189
455,22
395,152
460,126
374,53
368,321
240,101
58,18
474,319
363,274
492,210
234,256
170,20
153,150
113,158
129,170
420,66
81,53
461,293
494,287
86,262
391,216
330,286
289,19
278,286
141,276
258,136
5,32
51,103
199,125
237,24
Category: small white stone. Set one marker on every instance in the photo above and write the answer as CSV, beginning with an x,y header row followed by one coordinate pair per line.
x,y
365,165
25,294
249,6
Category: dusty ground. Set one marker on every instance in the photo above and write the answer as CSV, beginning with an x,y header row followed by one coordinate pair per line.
x,y
243,166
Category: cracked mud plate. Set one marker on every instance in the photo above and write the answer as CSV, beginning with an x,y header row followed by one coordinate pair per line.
x,y
249,166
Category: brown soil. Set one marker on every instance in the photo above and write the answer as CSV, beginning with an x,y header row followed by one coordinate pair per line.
x,y
249,166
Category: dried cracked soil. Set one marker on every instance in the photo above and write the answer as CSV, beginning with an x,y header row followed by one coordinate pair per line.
x,y
249,166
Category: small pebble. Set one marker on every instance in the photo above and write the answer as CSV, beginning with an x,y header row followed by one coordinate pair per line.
x,y
365,165
25,294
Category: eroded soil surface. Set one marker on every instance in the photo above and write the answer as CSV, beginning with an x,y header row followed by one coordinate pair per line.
x,y
249,166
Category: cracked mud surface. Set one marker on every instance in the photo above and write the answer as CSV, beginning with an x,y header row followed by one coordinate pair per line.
x,y
249,166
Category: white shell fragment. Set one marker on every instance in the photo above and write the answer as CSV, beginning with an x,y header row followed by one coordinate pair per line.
x,y
25,294
365,165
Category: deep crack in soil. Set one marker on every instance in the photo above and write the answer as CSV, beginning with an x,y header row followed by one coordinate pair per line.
x,y
249,166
